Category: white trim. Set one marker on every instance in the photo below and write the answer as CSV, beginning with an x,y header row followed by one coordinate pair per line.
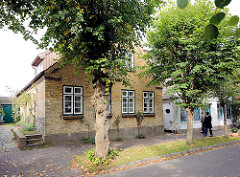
x,y
129,62
147,98
125,95
67,92
64,105
73,94
81,102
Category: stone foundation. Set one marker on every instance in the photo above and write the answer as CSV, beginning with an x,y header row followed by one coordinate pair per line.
x,y
124,133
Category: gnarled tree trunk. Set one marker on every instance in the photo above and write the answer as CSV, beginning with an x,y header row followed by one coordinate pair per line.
x,y
189,125
225,120
100,101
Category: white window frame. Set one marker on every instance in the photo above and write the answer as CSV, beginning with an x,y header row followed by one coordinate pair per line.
x,y
73,94
129,62
125,95
228,111
147,98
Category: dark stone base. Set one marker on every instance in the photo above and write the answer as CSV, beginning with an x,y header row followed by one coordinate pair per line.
x,y
127,133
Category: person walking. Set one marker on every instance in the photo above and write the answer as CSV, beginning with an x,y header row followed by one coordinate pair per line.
x,y
202,120
207,124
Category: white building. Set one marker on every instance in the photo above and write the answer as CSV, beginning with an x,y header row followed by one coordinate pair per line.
x,y
175,118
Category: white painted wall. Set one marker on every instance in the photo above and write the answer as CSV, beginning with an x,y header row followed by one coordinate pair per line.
x,y
172,121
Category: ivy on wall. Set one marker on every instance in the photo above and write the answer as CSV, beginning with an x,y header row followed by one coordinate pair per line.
x,y
24,107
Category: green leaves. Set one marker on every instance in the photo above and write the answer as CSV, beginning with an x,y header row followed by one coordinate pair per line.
x,y
233,20
211,32
221,3
217,18
182,59
182,4
238,32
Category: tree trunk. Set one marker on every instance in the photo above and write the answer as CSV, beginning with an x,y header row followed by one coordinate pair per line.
x,y
100,101
225,120
189,125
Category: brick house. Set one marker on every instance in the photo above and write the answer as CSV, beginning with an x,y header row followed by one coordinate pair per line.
x,y
62,102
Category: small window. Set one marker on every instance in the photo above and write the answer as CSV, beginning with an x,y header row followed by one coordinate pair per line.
x,y
167,111
229,112
72,100
183,115
219,111
67,90
148,102
129,62
128,101
196,115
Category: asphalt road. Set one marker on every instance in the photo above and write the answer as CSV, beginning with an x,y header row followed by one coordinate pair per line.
x,y
223,162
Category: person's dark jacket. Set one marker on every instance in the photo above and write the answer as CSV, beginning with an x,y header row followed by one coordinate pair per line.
x,y
207,122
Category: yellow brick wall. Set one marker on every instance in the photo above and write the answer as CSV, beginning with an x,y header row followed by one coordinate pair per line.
x,y
40,105
35,107
55,124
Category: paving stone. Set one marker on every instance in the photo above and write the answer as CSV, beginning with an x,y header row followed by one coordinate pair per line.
x,y
56,161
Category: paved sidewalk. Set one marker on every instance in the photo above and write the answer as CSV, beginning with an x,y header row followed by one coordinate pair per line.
x,y
167,137
6,139
55,161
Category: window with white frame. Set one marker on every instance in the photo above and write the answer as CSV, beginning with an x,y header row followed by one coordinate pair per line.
x,y
229,112
128,101
72,100
196,115
219,111
148,102
129,62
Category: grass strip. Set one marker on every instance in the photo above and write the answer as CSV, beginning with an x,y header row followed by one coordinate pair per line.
x,y
129,155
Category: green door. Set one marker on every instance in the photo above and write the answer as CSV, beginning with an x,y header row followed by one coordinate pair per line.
x,y
7,108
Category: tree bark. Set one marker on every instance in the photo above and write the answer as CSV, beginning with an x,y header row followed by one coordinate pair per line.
x,y
225,120
189,125
100,101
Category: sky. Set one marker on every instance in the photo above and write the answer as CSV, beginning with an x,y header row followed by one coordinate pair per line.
x,y
16,56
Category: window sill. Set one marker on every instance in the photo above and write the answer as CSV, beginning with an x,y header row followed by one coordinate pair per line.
x,y
72,117
134,115
149,115
129,116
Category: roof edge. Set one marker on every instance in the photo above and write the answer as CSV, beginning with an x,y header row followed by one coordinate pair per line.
x,y
30,83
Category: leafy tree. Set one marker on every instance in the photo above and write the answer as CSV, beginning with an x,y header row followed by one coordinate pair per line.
x,y
225,82
93,35
181,57
211,30
226,89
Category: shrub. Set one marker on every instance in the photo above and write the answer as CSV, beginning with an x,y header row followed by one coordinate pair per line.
x,y
119,139
140,136
113,153
27,126
234,130
30,127
86,140
100,161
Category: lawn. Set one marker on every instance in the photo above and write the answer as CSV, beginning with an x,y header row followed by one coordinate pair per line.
x,y
129,155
